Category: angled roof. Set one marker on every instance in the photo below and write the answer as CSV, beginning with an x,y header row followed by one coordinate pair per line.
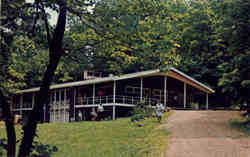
x,y
174,73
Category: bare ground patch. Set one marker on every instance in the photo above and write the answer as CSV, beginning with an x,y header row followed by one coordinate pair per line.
x,y
206,134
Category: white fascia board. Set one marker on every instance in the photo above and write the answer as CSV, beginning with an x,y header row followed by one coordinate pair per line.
x,y
70,84
137,74
114,78
28,90
192,79
93,81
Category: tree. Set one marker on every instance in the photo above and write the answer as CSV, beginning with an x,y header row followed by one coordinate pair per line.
x,y
215,45
55,45
236,72
130,34
10,79
55,53
36,13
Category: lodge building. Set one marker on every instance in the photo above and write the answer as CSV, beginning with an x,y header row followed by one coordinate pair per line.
x,y
118,95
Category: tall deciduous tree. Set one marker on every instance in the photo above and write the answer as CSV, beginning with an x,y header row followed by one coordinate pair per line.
x,y
56,51
130,34
10,79
215,45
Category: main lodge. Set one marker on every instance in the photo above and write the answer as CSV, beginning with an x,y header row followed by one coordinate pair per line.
x,y
118,95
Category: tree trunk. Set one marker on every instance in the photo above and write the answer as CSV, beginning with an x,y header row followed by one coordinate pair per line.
x,y
9,124
55,50
35,116
248,108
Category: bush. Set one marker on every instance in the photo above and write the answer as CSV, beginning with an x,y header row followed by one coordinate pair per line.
x,y
141,111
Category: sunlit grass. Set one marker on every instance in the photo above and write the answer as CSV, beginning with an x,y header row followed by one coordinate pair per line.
x,y
119,138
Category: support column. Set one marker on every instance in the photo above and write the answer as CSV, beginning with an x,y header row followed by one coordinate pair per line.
x,y
185,95
165,90
60,110
44,113
50,107
21,105
74,103
64,105
114,94
44,107
33,100
141,94
54,107
113,112
207,101
93,93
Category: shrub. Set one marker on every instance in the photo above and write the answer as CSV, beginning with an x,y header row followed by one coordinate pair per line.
x,y
141,111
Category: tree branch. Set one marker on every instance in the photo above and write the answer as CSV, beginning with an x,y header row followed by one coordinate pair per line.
x,y
56,44
35,19
46,24
84,21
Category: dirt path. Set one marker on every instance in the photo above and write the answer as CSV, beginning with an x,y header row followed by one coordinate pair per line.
x,y
205,134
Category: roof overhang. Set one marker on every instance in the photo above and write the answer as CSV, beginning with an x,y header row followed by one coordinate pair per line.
x,y
173,72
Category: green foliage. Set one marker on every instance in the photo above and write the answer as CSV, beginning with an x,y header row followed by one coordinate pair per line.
x,y
130,34
242,124
209,40
43,150
214,39
2,145
141,111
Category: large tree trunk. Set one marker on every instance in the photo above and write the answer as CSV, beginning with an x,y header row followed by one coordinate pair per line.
x,y
9,124
55,50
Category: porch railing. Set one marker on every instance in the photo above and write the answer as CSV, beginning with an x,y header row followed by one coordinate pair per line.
x,y
133,100
57,105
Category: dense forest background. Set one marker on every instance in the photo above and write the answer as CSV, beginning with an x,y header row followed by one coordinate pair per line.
x,y
207,39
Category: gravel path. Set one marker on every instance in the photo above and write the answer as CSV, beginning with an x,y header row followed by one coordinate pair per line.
x,y
205,134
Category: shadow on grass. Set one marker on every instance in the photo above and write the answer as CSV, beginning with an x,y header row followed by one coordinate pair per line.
x,y
242,124
2,146
38,149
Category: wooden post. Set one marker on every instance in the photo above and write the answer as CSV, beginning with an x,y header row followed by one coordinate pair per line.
x,y
207,101
185,94
113,112
141,89
165,90
114,93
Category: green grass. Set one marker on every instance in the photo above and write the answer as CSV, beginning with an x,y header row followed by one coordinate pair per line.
x,y
243,124
119,138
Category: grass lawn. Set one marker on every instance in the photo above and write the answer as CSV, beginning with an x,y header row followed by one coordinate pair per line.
x,y
242,123
119,138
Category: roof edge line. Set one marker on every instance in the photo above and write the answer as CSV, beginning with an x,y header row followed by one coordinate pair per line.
x,y
185,75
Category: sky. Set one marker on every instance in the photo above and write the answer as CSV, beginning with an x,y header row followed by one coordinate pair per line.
x,y
52,13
